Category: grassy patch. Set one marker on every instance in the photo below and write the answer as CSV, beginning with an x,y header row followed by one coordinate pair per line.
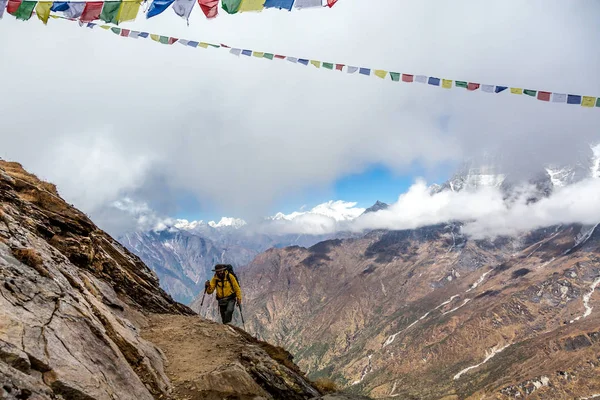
x,y
325,385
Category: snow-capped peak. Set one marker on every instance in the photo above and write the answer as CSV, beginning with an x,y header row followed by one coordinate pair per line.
x,y
338,210
228,222
186,225
595,167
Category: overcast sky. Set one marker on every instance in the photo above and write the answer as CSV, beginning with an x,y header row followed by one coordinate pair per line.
x,y
106,117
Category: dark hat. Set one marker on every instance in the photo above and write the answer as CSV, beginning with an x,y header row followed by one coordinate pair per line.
x,y
220,267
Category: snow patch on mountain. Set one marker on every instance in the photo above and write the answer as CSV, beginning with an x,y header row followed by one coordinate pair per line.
x,y
228,222
338,210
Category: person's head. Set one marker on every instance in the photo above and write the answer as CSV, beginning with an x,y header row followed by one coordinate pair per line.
x,y
220,270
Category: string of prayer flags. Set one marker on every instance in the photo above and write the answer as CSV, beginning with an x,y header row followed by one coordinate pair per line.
x,y
120,10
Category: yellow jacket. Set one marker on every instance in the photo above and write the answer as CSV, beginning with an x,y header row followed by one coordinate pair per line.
x,y
225,287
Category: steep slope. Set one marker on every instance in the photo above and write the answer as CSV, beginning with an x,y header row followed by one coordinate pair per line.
x,y
79,315
428,313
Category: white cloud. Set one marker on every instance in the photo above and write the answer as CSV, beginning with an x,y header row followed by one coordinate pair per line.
x,y
104,117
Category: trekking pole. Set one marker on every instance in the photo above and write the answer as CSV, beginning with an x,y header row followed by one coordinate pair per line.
x,y
202,302
242,315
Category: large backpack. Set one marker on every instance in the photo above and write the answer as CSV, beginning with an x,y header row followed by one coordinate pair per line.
x,y
229,268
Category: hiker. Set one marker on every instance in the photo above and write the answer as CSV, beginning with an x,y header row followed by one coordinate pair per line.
x,y
228,290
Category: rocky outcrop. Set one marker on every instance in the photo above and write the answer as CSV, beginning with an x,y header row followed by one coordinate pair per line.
x,y
77,311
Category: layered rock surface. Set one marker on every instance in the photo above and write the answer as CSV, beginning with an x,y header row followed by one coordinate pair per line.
x,y
429,313
83,318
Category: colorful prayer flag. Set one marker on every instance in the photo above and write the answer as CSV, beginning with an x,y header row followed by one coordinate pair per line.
x,y
268,56
598,102
204,45
500,89
172,40
252,5
258,54
516,90
331,3
105,27
407,78
487,88
588,101
210,8
303,61
156,38
544,96
327,65
530,92
308,3
280,56
559,97
164,40
193,43
365,71
236,52
13,6
434,81
25,10
231,6
380,73
59,6
75,10
183,8
421,79
461,84
351,69
183,42
395,76
316,63
339,67
574,99
108,14
281,4
128,11
292,59
115,30
447,83
247,52
472,86
125,32
2,7
144,35
157,7
42,10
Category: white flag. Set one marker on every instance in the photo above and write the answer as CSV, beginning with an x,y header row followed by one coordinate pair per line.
x,y
352,70
421,79
182,41
308,3
487,88
559,97
134,34
2,7
292,59
236,52
183,8
75,10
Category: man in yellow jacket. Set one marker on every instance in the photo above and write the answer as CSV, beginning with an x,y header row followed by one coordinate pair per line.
x,y
228,291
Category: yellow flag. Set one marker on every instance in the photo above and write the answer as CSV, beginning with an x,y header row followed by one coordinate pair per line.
x,y
252,5
43,10
258,54
447,83
156,38
316,63
380,73
105,27
515,90
128,10
54,16
203,45
588,101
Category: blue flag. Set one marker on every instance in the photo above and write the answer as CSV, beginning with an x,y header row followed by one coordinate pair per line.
x,y
281,4
434,81
247,52
191,43
364,71
143,35
157,7
501,89
574,99
59,6
303,61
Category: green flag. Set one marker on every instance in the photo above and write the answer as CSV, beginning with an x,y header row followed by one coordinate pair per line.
x,y
268,55
461,84
395,76
164,39
327,65
110,11
25,10
598,102
231,6
116,31
531,93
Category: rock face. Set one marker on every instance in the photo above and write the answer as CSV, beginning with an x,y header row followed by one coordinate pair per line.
x,y
77,309
429,313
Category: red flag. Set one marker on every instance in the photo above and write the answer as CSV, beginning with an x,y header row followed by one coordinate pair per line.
x,y
92,11
210,8
224,45
473,86
339,66
125,32
544,96
172,40
407,78
280,56
13,6
330,3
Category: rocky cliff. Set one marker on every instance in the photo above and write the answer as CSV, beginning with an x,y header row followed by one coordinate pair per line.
x,y
429,313
83,318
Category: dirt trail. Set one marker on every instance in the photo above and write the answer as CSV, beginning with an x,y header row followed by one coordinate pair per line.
x,y
207,360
